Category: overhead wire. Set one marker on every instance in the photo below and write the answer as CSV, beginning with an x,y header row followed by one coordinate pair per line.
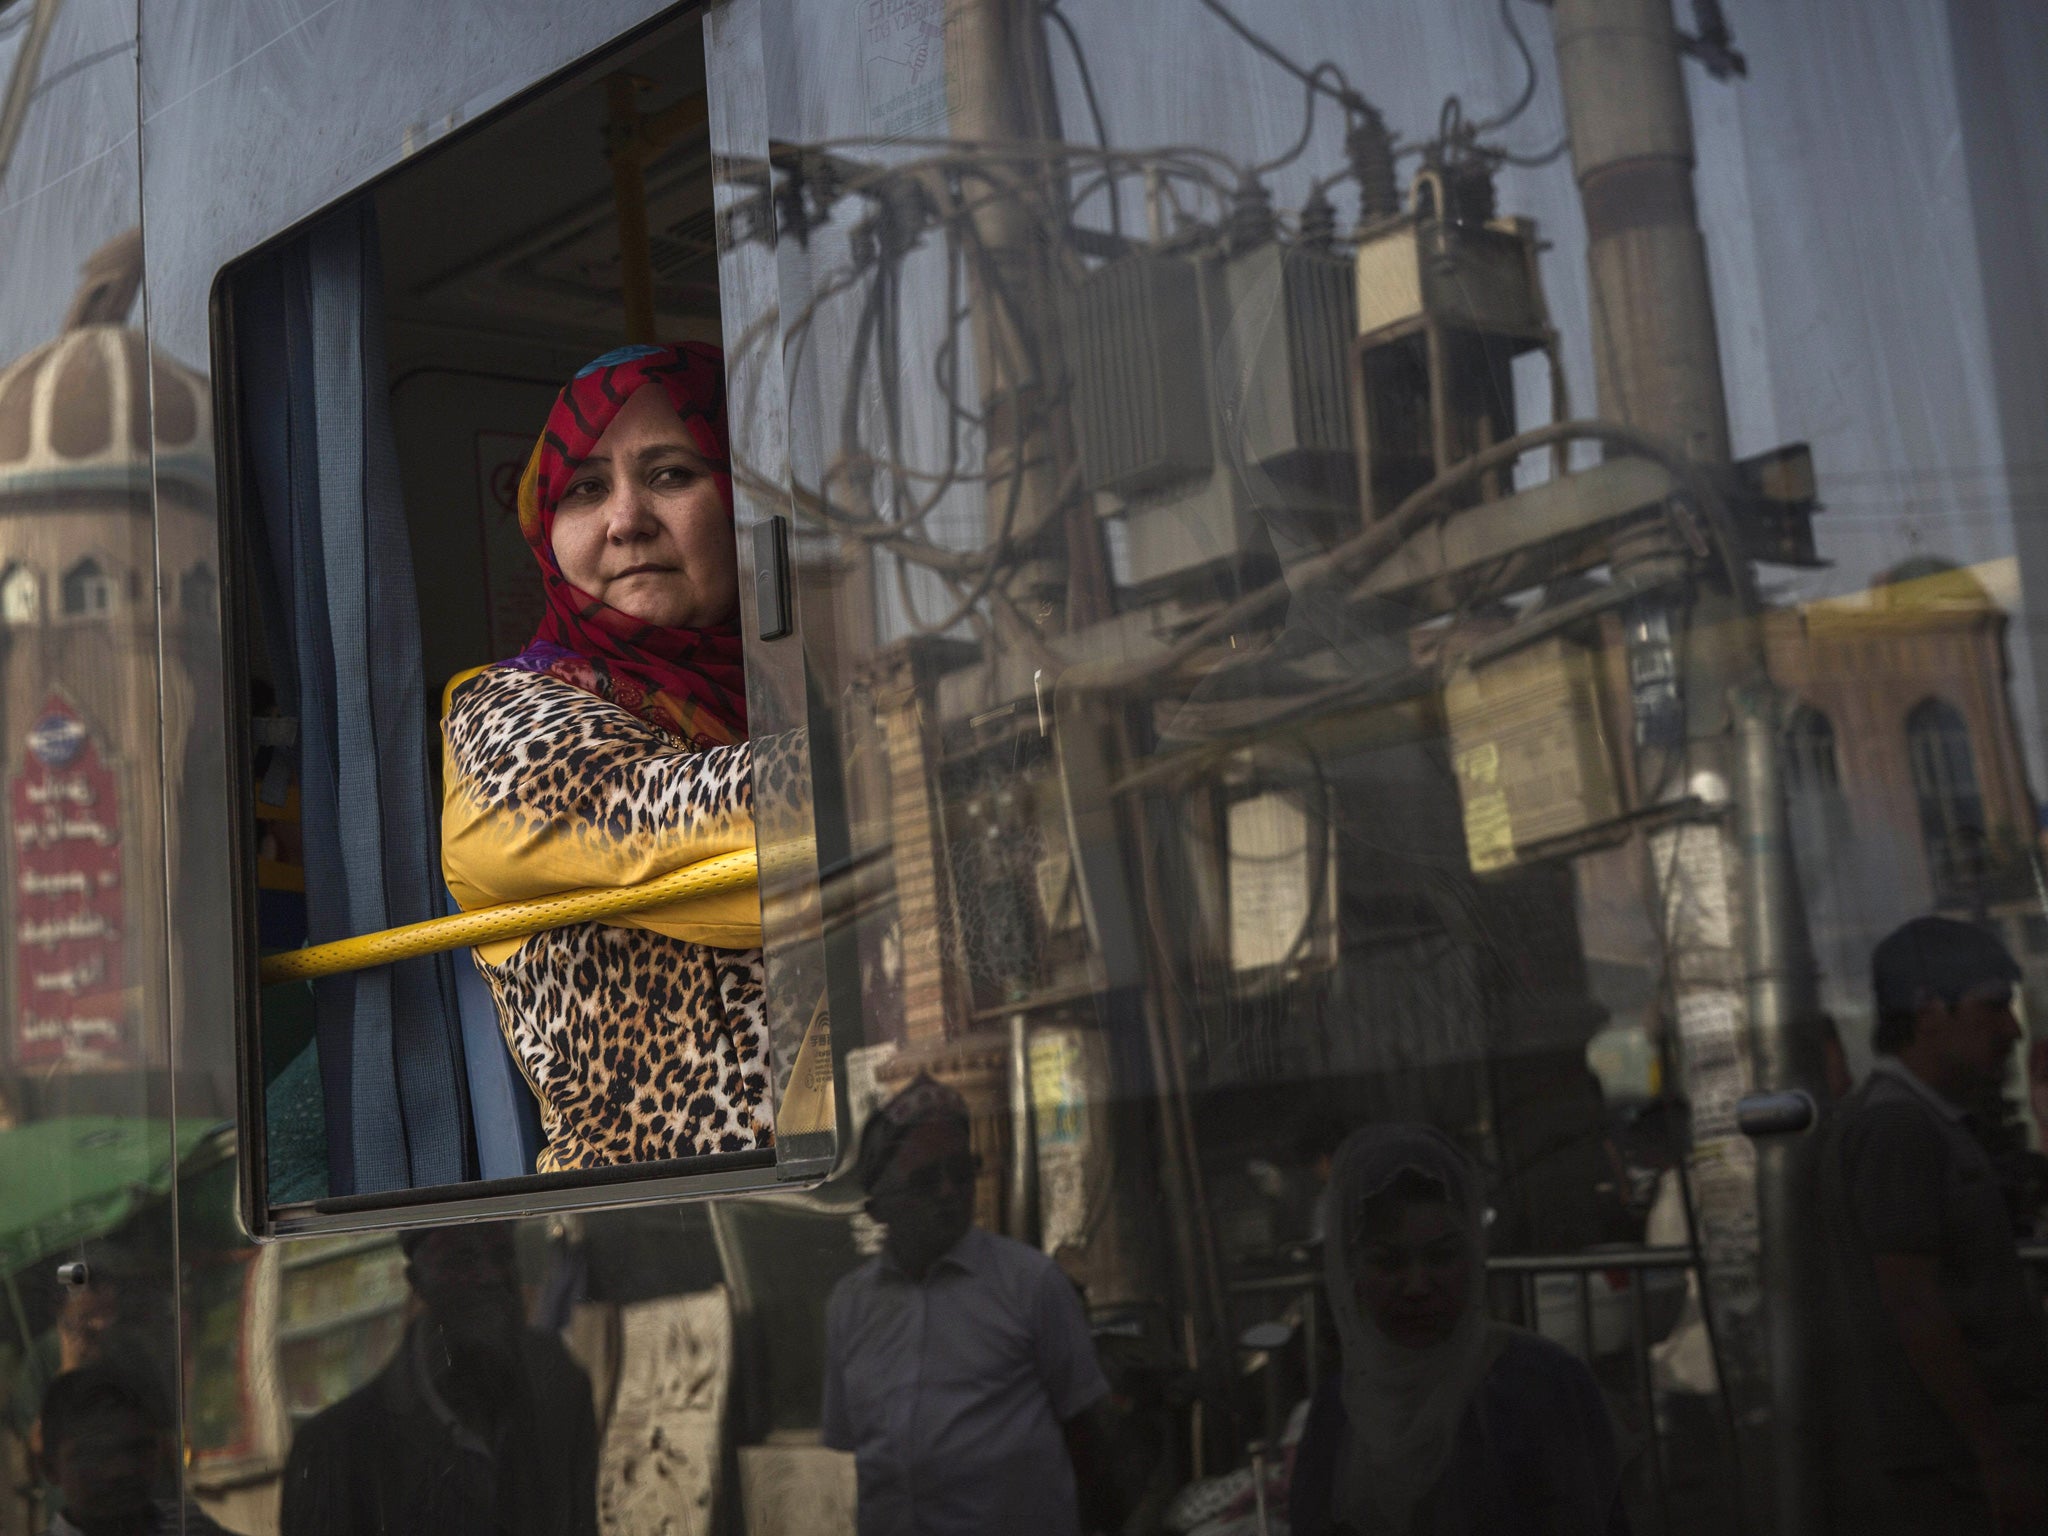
x,y
1012,172
1457,134
79,66
819,501
1536,161
994,564
1521,103
1308,128
1053,13
1310,78
873,339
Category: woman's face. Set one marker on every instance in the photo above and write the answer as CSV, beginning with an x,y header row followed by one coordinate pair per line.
x,y
1414,1273
642,526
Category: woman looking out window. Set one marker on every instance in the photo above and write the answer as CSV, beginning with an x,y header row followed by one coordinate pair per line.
x,y
612,751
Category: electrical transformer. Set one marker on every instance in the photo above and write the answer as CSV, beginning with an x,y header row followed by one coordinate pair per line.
x,y
1447,298
1212,405
1533,756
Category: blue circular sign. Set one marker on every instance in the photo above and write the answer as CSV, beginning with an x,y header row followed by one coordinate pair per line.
x,y
56,739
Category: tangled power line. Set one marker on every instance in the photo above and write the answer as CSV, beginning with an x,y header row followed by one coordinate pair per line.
x,y
931,203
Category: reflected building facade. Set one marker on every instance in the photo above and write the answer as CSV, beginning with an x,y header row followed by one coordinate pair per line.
x,y
1906,780
1905,759
86,418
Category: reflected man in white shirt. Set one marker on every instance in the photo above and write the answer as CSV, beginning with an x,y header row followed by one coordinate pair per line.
x,y
959,1368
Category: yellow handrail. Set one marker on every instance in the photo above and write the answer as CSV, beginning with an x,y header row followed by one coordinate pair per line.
x,y
511,920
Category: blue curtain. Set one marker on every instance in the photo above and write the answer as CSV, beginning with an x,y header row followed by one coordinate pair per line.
x,y
341,621
503,1112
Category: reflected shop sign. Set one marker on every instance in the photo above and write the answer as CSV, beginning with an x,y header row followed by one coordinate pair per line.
x,y
69,1007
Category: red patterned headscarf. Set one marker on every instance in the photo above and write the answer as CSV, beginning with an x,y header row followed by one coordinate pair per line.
x,y
689,682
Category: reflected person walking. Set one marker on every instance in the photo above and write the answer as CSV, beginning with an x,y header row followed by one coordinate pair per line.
x,y
1442,1423
1938,1357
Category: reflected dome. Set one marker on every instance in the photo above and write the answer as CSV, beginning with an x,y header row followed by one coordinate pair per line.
x,y
1925,581
83,412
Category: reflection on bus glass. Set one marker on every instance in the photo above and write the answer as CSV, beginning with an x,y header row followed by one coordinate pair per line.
x,y
1939,1356
1319,809
477,1424
109,1455
1440,1420
609,753
992,1440
74,664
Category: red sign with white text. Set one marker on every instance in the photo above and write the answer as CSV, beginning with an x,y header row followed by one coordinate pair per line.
x,y
70,1004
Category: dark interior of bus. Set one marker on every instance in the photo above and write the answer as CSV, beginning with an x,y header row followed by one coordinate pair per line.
x,y
501,278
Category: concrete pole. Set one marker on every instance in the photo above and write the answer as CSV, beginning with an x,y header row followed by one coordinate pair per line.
x,y
999,90
1739,979
1785,1045
21,83
1657,362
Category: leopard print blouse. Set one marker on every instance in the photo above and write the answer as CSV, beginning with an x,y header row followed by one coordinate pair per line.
x,y
639,1046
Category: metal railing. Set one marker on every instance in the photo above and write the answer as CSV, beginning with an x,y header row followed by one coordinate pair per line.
x,y
1523,1289
1636,1265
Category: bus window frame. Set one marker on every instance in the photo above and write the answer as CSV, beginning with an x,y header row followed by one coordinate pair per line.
x,y
780,1169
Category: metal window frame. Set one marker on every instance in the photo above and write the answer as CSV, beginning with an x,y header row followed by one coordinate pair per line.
x,y
777,1170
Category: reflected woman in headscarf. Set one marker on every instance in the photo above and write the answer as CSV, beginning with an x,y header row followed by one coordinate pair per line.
x,y
611,751
1441,1423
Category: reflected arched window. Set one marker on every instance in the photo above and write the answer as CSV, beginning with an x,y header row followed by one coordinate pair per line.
x,y
196,591
1951,804
1810,763
88,589
21,596
1814,800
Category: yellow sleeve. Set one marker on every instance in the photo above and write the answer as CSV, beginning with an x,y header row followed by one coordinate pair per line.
x,y
547,788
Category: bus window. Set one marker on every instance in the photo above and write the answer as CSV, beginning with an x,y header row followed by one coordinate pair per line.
x,y
498,769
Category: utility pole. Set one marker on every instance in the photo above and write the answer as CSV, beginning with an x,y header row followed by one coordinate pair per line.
x,y
1739,982
21,83
999,91
1656,358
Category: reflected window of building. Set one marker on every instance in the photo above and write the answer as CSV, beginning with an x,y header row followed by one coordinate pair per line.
x,y
21,595
1951,804
1819,810
197,589
1810,763
88,590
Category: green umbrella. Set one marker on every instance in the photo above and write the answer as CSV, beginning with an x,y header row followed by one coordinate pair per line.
x,y
67,1180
